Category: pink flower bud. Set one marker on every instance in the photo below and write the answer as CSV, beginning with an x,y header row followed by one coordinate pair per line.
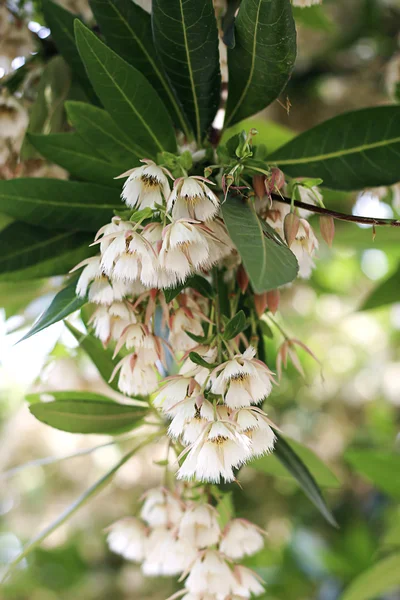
x,y
291,226
273,298
327,228
275,181
260,303
242,279
259,185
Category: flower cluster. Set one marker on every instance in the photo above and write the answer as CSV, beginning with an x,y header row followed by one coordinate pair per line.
x,y
178,537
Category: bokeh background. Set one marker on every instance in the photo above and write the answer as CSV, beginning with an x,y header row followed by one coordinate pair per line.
x,y
346,409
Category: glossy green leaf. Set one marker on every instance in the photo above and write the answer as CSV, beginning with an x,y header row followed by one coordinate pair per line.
x,y
296,467
378,467
127,30
262,60
381,578
385,293
318,469
352,151
235,326
127,96
199,360
186,39
97,127
62,305
61,23
268,261
88,415
23,245
78,157
53,203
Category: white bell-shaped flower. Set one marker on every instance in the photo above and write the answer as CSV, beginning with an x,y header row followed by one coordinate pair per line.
x,y
241,538
167,555
248,583
256,425
161,508
200,373
199,525
109,322
191,417
135,378
127,537
304,248
175,389
191,198
146,186
181,321
211,574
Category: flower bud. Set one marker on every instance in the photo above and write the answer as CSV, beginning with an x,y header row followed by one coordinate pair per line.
x,y
260,303
327,228
277,179
259,185
242,279
291,226
273,298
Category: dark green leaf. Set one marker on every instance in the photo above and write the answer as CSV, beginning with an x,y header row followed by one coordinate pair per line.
x,y
381,578
200,339
86,415
228,23
265,329
61,24
235,326
62,305
127,30
262,60
126,94
78,157
199,360
385,293
53,203
291,461
378,467
268,261
351,151
97,127
186,39
196,282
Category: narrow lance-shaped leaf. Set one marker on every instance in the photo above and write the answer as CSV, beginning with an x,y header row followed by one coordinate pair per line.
x,y
352,151
263,56
378,467
127,30
186,39
385,293
269,263
381,578
126,94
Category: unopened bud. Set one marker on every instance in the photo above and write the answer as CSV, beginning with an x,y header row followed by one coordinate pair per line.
x,y
277,179
259,186
273,298
291,226
327,228
260,303
242,279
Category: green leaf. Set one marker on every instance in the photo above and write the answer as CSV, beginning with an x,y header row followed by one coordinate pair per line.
x,y
127,96
385,293
315,17
61,23
97,127
78,157
318,469
235,326
127,30
381,578
262,60
15,297
62,305
352,151
196,282
53,203
291,461
199,360
186,38
272,135
268,261
225,509
100,356
50,396
23,245
86,415
378,467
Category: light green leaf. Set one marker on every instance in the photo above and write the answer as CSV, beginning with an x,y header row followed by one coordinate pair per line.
x,y
378,467
385,293
315,17
186,38
78,157
63,304
268,261
127,96
272,135
381,578
53,203
262,60
97,127
127,30
16,297
352,151
87,415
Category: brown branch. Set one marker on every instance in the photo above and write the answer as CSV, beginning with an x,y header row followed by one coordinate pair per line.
x,y
337,215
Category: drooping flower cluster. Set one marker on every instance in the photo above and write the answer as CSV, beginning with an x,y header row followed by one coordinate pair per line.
x,y
178,537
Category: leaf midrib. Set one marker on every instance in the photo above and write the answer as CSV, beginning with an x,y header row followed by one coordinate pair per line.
x,y
58,204
37,245
192,83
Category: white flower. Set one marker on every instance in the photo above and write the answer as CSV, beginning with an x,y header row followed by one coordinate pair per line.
x,y
165,554
191,369
210,574
110,321
304,247
13,118
255,423
221,245
190,418
161,508
174,390
191,198
101,289
127,537
216,452
243,380
181,321
145,186
135,378
241,538
248,582
199,525
108,232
